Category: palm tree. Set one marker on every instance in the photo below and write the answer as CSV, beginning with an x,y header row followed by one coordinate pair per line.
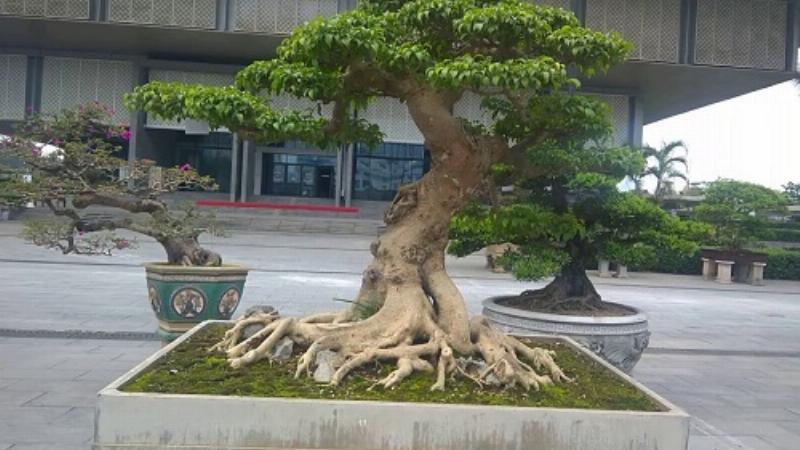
x,y
666,166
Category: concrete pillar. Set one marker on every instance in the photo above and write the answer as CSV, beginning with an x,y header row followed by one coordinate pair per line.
x,y
234,167
622,271
339,171
347,181
724,271
247,150
709,269
757,273
602,268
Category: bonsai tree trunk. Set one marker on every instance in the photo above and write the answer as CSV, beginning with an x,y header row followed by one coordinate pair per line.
x,y
421,318
570,291
188,252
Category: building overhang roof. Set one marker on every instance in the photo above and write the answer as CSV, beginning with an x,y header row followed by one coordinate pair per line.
x,y
663,89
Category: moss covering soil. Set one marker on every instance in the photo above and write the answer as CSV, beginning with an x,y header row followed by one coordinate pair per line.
x,y
190,369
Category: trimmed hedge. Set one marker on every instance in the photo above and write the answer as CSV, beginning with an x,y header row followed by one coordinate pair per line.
x,y
782,235
781,265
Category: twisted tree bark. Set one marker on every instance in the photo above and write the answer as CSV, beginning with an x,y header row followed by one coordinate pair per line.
x,y
421,321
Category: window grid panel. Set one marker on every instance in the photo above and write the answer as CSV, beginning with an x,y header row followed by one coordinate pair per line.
x,y
394,120
70,82
741,33
278,16
469,107
13,72
175,76
62,9
620,115
653,26
171,13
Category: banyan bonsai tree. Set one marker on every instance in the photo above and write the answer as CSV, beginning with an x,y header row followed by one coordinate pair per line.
x,y
71,164
429,54
567,213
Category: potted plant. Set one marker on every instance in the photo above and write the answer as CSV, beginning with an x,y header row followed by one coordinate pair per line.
x,y
91,191
563,217
739,213
408,325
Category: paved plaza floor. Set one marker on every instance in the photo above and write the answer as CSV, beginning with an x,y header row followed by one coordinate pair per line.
x,y
729,355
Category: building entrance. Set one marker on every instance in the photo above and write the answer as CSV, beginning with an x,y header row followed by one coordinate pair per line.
x,y
299,175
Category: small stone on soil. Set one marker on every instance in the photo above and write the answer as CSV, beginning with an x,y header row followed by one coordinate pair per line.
x,y
327,363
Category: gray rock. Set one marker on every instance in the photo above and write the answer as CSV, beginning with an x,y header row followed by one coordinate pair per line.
x,y
266,309
475,368
283,350
250,330
327,362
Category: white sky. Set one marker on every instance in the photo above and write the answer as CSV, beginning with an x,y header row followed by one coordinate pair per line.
x,y
755,137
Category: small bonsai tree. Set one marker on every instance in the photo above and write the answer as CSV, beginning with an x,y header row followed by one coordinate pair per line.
x,y
739,211
568,213
429,54
71,164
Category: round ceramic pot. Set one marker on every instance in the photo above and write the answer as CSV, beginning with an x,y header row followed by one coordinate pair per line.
x,y
618,340
182,297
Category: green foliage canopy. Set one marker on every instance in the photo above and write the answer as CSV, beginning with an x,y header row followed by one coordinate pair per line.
x,y
401,49
738,211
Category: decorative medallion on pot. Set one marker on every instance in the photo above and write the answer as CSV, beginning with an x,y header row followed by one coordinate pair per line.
x,y
620,340
228,303
182,297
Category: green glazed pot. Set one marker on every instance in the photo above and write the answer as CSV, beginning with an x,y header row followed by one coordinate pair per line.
x,y
182,297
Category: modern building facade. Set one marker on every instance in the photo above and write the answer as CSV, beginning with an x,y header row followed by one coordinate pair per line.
x,y
61,53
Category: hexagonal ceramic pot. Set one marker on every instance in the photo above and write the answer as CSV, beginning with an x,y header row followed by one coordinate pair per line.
x,y
181,297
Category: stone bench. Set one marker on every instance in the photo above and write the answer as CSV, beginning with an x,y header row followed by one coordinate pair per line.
x,y
726,267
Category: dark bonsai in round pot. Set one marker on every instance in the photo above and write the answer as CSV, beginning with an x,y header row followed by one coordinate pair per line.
x,y
562,218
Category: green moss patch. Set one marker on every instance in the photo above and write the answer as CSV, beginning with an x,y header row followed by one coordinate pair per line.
x,y
190,369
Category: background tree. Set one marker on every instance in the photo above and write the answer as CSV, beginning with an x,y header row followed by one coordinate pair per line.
x,y
664,165
739,211
792,193
567,214
428,54
85,171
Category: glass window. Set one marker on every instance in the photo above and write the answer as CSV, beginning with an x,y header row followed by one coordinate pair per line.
x,y
380,172
210,155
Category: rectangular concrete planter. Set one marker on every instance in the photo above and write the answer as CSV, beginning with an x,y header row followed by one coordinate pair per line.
x,y
161,421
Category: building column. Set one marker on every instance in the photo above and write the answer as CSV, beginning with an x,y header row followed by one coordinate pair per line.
x,y
33,84
234,167
247,150
349,166
339,175
137,118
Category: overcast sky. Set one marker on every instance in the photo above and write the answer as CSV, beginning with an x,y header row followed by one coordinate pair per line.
x,y
755,137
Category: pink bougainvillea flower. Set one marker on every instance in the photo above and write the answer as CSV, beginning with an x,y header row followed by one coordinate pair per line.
x,y
126,135
185,168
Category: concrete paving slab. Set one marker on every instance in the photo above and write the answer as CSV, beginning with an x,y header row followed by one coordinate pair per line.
x,y
725,378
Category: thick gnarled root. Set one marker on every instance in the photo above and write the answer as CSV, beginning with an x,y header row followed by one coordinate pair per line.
x,y
425,348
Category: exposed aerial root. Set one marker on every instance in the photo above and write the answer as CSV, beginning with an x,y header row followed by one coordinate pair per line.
x,y
411,346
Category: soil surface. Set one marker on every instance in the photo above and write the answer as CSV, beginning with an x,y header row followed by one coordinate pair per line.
x,y
566,307
190,369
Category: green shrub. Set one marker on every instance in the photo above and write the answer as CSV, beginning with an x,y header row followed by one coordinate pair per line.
x,y
782,234
782,264
672,261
